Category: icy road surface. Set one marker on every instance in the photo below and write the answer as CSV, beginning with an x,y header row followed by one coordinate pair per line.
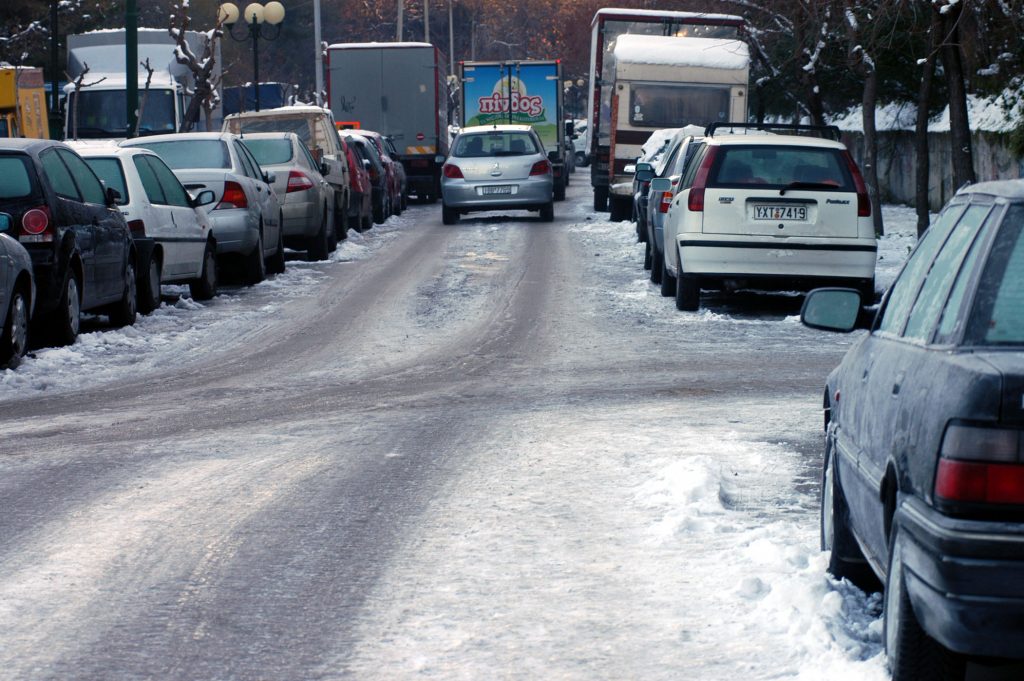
x,y
487,451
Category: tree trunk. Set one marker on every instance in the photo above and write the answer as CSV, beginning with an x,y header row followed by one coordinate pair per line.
x,y
921,150
959,125
868,103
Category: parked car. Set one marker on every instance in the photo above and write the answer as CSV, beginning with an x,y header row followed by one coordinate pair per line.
x,y
306,198
246,218
923,476
173,237
380,195
772,211
497,167
403,177
361,186
663,187
317,129
83,257
393,169
654,151
17,292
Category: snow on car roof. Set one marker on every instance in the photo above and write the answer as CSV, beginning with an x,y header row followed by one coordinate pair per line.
x,y
356,46
661,14
714,53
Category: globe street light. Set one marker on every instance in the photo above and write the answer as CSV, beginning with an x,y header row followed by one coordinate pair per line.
x,y
254,17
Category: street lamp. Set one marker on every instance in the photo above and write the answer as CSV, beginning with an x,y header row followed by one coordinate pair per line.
x,y
255,16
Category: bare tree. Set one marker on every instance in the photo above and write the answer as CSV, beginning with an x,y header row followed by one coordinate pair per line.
x,y
205,90
924,96
79,84
959,124
145,95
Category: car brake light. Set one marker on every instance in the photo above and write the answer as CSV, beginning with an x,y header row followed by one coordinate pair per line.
x,y
981,464
234,197
863,200
35,221
298,182
695,202
452,172
541,168
666,202
137,228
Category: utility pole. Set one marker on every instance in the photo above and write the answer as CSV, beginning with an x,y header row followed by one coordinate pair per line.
x,y
54,66
426,21
131,65
319,54
451,40
401,8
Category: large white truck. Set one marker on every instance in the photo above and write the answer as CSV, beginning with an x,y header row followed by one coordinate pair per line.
x,y
667,82
401,91
98,110
609,23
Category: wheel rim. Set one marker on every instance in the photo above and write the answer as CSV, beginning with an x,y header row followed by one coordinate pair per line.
x,y
19,325
827,510
893,602
73,309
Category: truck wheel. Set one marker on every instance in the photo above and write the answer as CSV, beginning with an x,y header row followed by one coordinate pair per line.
x,y
600,198
205,287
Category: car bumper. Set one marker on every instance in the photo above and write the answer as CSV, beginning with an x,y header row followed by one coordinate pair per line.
x,y
234,230
727,256
301,219
965,579
532,193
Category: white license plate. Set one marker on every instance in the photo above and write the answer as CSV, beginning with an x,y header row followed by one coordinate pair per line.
x,y
798,213
503,189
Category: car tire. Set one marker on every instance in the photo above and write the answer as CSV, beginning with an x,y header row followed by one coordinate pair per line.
x,y
867,292
341,225
559,192
620,209
846,560
14,342
912,654
318,246
657,263
449,216
600,199
668,282
379,213
149,286
547,212
255,267
366,222
332,235
687,293
64,322
277,265
124,311
205,287
648,256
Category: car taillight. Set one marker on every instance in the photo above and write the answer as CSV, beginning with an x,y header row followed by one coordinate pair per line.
x,y
981,465
541,168
298,182
137,228
452,172
863,200
695,202
35,221
234,197
666,202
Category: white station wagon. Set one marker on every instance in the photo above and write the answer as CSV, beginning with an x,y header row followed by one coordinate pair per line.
x,y
768,211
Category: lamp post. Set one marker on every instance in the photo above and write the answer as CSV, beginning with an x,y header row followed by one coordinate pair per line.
x,y
254,17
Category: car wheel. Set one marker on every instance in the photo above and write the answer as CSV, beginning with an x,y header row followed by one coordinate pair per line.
x,y
398,206
600,198
365,222
318,246
547,212
255,267
379,213
14,342
620,209
846,560
149,287
559,193
912,654
657,263
341,225
449,216
277,264
648,257
205,287
687,293
332,235
867,291
124,311
65,320
668,282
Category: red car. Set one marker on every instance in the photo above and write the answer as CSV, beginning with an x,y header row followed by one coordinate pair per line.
x,y
394,168
360,209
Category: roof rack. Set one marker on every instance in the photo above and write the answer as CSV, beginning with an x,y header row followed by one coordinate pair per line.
x,y
826,131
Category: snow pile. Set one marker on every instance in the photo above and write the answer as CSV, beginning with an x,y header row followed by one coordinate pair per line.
x,y
987,114
710,53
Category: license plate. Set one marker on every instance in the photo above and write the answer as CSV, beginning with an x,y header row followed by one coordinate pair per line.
x,y
798,213
503,189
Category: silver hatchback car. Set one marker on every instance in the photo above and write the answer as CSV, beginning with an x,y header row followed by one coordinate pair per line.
x,y
497,167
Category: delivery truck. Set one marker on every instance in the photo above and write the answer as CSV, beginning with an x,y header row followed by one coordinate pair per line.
x,y
520,93
99,109
399,90
23,103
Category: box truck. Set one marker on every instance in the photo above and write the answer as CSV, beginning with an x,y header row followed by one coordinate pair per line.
x,y
521,93
401,91
23,103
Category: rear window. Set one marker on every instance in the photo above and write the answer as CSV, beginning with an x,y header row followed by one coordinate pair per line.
x,y
269,151
779,166
112,174
297,124
191,153
481,145
661,106
998,315
15,181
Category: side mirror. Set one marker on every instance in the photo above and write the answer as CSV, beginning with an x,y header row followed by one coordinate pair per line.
x,y
832,309
5,222
205,198
661,184
113,196
439,159
325,168
629,169
644,172
270,178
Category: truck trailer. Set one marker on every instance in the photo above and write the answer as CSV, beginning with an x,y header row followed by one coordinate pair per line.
x,y
401,91
518,93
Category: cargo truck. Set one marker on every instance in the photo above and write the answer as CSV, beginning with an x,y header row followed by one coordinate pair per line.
x,y
607,26
519,93
399,90
23,103
99,111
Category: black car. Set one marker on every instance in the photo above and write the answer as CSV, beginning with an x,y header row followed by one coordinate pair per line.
x,y
923,477
82,252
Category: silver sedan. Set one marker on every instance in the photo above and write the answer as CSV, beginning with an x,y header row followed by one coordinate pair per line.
x,y
497,167
17,295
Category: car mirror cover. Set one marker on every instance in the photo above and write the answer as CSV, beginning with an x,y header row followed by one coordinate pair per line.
x,y
832,309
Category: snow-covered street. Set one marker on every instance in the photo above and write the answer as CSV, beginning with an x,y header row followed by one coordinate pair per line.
x,y
491,450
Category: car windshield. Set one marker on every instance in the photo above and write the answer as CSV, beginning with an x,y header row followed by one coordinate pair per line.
x,y
997,318
15,182
110,171
780,166
481,145
180,154
103,113
269,152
